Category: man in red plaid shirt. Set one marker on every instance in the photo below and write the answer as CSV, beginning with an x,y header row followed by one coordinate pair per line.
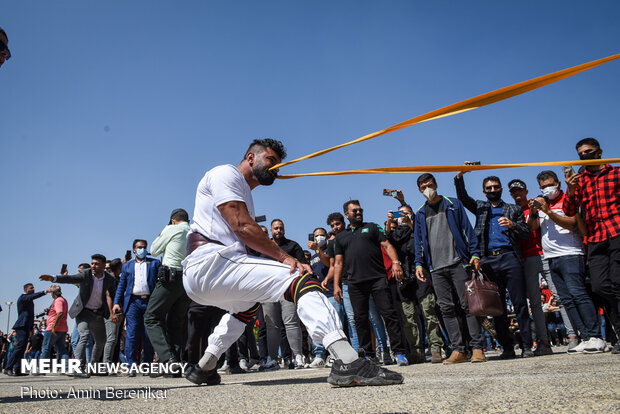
x,y
596,191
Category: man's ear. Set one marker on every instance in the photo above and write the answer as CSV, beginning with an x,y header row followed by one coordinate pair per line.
x,y
251,157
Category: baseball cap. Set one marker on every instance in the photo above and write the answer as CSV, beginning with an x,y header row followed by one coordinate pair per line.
x,y
516,184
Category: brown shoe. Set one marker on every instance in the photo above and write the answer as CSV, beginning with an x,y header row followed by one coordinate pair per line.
x,y
455,358
436,358
478,356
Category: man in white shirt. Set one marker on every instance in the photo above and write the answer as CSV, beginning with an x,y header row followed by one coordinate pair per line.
x,y
563,249
219,272
136,283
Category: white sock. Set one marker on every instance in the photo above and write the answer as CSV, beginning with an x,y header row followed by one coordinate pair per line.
x,y
208,362
343,351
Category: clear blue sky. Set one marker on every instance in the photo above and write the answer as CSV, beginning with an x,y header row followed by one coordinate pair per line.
x,y
111,112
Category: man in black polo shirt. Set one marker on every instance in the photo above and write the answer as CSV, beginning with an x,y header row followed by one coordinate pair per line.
x,y
358,250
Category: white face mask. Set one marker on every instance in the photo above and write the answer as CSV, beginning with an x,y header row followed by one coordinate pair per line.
x,y
321,241
551,192
429,193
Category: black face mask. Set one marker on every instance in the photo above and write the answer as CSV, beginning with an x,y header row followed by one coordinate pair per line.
x,y
494,195
589,155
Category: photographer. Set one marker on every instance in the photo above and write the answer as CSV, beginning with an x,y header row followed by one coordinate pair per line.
x,y
411,292
445,244
166,314
56,330
562,247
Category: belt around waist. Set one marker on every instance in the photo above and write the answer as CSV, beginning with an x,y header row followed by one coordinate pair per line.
x,y
195,240
93,310
498,252
141,296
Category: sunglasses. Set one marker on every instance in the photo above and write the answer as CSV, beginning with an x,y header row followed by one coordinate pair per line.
x,y
4,49
491,187
357,210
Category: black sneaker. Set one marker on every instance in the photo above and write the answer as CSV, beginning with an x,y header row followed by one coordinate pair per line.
x,y
198,376
527,353
508,355
543,349
361,372
616,349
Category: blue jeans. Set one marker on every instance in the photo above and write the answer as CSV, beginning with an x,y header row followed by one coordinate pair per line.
x,y
318,350
348,308
57,341
568,274
377,325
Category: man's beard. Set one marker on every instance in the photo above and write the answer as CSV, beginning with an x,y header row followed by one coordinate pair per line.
x,y
263,175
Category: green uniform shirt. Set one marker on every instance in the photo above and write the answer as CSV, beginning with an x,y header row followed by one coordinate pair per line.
x,y
172,242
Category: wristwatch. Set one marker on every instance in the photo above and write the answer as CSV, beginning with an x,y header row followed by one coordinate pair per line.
x,y
398,262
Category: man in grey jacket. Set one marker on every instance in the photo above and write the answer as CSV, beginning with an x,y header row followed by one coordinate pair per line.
x,y
92,304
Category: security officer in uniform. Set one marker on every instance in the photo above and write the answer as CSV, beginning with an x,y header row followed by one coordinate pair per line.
x,y
166,314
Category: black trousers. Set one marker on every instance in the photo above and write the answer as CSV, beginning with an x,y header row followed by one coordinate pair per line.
x,y
14,362
507,272
201,321
604,264
380,291
246,343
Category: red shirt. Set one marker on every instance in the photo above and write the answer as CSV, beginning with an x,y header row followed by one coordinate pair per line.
x,y
547,292
531,247
59,305
598,196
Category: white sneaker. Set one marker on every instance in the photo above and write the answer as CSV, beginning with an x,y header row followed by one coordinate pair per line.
x,y
224,368
243,364
252,362
317,362
578,349
594,346
299,361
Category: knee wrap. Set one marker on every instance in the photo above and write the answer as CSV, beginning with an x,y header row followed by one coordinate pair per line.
x,y
247,316
300,286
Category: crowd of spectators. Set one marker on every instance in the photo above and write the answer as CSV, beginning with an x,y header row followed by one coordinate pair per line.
x,y
398,286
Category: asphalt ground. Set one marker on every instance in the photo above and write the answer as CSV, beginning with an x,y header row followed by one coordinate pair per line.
x,y
552,384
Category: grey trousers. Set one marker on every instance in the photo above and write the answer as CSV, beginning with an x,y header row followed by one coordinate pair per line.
x,y
89,322
276,315
111,332
532,266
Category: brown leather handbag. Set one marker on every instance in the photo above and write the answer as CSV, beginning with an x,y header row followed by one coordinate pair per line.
x,y
483,297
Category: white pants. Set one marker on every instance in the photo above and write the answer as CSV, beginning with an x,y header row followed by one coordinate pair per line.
x,y
226,277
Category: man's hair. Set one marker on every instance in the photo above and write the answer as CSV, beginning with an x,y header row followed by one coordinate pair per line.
x,y
273,144
424,178
545,175
319,228
99,257
136,241
4,33
334,216
516,180
276,219
588,141
490,178
85,265
115,264
345,206
179,215
57,291
28,284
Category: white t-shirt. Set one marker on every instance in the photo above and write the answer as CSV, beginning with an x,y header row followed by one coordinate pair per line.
x,y
220,185
556,240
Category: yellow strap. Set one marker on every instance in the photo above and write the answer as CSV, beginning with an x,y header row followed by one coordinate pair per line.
x,y
469,104
453,168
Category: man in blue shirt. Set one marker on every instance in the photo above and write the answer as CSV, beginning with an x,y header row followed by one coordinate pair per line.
x,y
499,227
